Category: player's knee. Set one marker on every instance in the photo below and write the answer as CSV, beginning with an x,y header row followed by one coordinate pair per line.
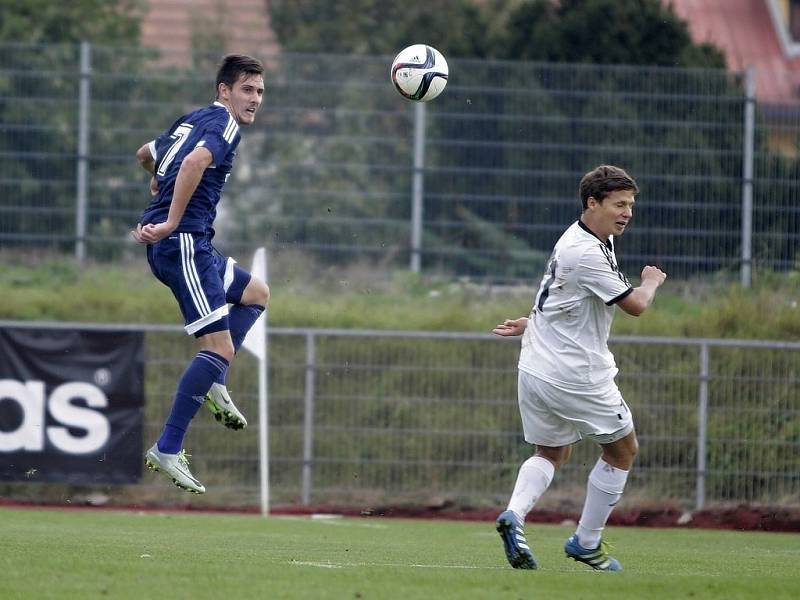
x,y
226,351
263,294
634,448
219,345
556,455
621,457
630,449
257,292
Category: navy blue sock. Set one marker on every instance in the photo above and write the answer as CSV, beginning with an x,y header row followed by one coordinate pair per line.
x,y
240,320
204,369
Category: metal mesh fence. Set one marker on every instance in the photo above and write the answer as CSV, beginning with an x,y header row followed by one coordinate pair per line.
x,y
369,419
327,169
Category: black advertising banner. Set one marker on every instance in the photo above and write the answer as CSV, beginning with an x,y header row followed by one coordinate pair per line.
x,y
71,405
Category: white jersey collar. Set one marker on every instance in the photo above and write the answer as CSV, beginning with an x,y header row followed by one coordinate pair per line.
x,y
609,244
218,103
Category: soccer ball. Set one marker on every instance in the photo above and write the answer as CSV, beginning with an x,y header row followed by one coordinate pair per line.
x,y
419,72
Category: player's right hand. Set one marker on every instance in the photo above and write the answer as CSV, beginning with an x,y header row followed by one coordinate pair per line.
x,y
511,327
151,233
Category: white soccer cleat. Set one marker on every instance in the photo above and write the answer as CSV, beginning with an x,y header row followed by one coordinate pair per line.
x,y
225,411
174,466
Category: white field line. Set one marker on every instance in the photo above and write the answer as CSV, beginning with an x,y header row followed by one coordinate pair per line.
x,y
334,520
353,524
331,565
356,565
304,563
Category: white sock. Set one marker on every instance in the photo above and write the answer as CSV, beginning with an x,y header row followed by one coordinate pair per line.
x,y
533,479
602,493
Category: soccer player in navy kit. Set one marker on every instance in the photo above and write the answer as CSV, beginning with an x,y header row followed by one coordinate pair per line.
x,y
190,163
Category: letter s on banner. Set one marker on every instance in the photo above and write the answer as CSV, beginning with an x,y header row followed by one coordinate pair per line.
x,y
97,427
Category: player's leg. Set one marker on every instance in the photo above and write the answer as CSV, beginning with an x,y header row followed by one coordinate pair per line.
x,y
533,479
604,488
244,312
216,395
249,296
553,438
213,359
187,267
167,453
606,481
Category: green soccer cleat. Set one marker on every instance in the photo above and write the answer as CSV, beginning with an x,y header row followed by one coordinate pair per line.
x,y
174,466
598,558
223,408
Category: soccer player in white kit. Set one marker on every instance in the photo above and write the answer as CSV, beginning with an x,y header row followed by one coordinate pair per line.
x,y
566,388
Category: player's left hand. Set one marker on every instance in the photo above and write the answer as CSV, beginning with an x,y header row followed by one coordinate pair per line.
x,y
151,233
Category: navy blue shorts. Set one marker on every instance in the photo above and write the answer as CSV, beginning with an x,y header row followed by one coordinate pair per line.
x,y
202,280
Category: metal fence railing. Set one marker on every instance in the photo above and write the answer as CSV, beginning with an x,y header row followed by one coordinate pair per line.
x,y
328,169
370,418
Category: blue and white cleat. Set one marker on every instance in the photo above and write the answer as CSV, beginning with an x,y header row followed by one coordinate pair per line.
x,y
518,552
598,558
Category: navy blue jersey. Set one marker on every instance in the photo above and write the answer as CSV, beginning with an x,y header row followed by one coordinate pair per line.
x,y
212,127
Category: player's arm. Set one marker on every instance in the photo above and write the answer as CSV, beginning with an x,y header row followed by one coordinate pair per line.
x,y
511,327
641,297
145,157
189,176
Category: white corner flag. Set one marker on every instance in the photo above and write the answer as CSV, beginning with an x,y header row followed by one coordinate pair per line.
x,y
256,339
256,342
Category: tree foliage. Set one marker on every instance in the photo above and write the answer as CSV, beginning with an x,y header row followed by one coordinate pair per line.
x,y
378,26
637,32
40,141
44,21
634,32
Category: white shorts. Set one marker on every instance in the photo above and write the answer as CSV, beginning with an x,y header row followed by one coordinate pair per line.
x,y
554,416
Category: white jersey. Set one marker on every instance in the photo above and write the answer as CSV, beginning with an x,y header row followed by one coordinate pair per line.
x,y
566,341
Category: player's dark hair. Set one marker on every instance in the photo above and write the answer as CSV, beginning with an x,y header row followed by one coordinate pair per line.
x,y
601,181
233,66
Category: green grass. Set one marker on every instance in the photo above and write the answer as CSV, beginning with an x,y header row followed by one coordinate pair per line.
x,y
304,295
93,554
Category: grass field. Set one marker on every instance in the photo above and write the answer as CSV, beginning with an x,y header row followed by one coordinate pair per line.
x,y
93,554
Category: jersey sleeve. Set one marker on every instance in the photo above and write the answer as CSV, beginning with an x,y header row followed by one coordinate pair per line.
x,y
219,137
600,275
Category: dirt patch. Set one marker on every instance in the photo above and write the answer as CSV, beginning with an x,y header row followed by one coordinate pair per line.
x,y
748,518
743,518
